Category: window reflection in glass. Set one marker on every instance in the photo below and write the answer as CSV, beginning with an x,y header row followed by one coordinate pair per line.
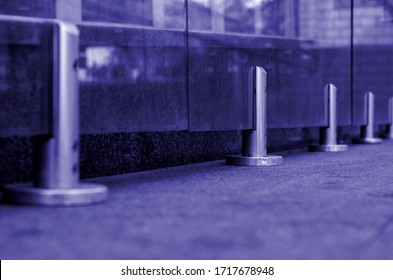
x,y
168,14
30,8
258,17
373,23
132,88
130,65
324,23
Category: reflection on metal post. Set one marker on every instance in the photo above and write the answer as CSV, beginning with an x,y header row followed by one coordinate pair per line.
x,y
56,178
328,135
389,127
254,141
367,131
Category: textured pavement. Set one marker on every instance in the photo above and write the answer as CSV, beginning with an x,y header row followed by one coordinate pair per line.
x,y
315,206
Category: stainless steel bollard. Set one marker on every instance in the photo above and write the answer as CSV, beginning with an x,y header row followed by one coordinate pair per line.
x,y
389,127
254,140
328,135
56,175
367,131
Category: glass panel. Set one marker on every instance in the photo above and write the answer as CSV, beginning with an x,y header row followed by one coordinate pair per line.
x,y
22,79
130,79
226,38
20,88
303,45
167,14
35,8
373,57
259,17
132,85
323,29
133,79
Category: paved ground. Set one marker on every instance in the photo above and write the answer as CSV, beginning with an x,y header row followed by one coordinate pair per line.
x,y
315,206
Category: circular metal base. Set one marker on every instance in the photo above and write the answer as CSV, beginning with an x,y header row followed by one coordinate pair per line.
x,y
328,148
367,141
83,194
254,161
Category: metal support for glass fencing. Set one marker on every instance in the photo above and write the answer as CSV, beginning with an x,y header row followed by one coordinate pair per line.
x,y
56,172
389,126
367,131
254,140
328,134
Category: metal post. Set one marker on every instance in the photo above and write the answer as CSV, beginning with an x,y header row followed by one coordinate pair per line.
x,y
389,127
254,140
56,175
367,131
328,135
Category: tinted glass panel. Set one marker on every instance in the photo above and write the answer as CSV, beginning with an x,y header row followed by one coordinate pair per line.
x,y
324,30
23,81
30,8
303,45
240,16
373,57
132,80
168,14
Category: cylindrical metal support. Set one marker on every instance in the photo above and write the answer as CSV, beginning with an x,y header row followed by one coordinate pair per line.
x,y
389,127
57,155
328,134
56,160
255,140
367,131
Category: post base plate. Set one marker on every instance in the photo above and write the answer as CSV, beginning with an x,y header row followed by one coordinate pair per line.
x,y
82,194
254,161
328,148
370,140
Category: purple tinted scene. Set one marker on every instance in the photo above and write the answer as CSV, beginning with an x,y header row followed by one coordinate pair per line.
x,y
118,151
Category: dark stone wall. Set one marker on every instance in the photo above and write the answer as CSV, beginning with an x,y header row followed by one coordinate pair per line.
x,y
109,154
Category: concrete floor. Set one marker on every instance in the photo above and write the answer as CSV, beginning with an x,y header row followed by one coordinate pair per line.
x,y
315,206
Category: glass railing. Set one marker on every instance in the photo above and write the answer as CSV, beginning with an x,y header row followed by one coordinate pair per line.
x,y
154,65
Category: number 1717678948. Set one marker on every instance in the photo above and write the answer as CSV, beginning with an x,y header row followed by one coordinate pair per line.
x,y
244,270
